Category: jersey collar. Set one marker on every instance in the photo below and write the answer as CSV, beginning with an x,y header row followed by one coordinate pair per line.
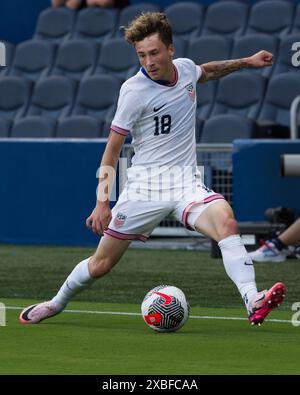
x,y
162,82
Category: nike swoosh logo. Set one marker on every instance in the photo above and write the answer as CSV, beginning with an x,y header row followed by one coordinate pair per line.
x,y
258,300
167,298
155,109
248,264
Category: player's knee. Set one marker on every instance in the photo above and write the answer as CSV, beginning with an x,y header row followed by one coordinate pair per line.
x,y
100,265
227,227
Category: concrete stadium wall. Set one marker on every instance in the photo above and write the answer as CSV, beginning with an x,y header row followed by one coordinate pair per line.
x,y
47,191
257,181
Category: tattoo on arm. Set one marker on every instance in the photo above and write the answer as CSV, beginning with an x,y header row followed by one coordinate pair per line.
x,y
215,70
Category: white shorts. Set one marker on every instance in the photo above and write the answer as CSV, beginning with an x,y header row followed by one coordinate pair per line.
x,y
136,219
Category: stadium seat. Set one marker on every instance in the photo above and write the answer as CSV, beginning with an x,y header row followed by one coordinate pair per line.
x,y
75,59
97,97
296,24
95,23
33,127
80,126
180,47
226,18
284,59
208,48
240,93
205,98
130,12
55,24
117,58
14,96
186,19
5,126
198,129
282,90
9,54
252,43
225,128
271,17
33,59
52,97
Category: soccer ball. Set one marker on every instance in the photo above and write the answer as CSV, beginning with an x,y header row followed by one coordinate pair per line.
x,y
165,308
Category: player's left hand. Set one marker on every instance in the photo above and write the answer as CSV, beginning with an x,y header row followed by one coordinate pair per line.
x,y
261,59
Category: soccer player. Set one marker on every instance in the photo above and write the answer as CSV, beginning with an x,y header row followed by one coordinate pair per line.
x,y
276,250
157,106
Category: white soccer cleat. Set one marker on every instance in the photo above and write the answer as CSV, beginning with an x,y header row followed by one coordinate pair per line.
x,y
36,313
269,253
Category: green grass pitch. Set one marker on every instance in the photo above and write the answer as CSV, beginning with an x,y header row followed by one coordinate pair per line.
x,y
89,339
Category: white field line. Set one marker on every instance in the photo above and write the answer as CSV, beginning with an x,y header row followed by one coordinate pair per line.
x,y
201,317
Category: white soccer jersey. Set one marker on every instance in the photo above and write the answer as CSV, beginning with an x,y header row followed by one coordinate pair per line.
x,y
161,120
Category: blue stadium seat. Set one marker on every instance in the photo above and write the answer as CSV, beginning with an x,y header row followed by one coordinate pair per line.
x,y
14,97
55,24
80,126
282,90
199,129
252,43
226,18
180,47
226,128
296,24
97,97
208,48
130,12
75,59
117,58
52,97
186,19
285,53
95,23
240,93
205,98
9,54
33,127
33,59
5,126
271,17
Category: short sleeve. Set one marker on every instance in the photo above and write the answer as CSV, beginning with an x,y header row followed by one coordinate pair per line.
x,y
199,72
194,70
128,111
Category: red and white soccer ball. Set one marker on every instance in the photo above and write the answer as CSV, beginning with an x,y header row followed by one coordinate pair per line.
x,y
165,308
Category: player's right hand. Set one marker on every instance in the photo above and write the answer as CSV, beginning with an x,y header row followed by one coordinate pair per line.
x,y
100,218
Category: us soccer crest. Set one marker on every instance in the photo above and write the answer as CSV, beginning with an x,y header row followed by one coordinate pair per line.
x,y
120,219
191,91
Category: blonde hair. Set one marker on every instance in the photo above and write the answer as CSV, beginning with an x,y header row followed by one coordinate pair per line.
x,y
149,23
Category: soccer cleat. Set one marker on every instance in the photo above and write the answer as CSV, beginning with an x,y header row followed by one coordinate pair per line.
x,y
268,253
264,302
36,313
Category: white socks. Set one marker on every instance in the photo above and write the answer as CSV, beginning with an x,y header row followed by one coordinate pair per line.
x,y
237,263
239,267
78,280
